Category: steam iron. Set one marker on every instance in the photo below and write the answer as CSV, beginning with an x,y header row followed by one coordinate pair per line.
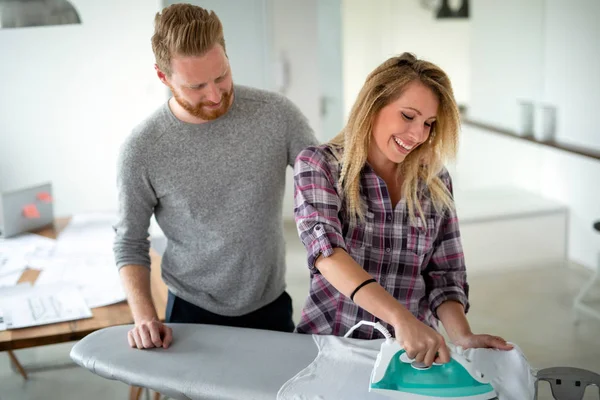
x,y
395,375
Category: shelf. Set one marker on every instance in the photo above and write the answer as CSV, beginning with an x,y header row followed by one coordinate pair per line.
x,y
594,154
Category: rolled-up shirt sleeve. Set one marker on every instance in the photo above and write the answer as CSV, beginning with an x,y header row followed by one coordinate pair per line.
x,y
316,205
445,275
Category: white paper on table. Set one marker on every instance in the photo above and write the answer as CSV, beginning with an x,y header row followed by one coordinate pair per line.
x,y
16,289
96,277
23,306
18,252
87,234
29,243
11,291
12,264
7,280
48,262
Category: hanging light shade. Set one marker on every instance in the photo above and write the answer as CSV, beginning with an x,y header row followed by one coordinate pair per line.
x,y
28,13
445,11
463,11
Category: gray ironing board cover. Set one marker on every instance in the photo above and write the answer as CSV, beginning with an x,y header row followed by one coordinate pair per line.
x,y
203,362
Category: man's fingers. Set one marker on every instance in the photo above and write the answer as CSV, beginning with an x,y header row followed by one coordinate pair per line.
x,y
136,338
168,336
150,335
145,336
155,334
130,339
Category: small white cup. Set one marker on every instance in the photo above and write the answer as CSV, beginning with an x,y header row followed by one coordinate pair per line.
x,y
545,123
525,121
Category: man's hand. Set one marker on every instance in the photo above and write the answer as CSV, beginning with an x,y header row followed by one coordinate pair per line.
x,y
150,334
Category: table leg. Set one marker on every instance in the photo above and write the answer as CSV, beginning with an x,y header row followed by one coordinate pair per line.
x,y
17,364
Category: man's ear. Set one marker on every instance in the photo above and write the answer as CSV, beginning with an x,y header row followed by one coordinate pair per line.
x,y
161,75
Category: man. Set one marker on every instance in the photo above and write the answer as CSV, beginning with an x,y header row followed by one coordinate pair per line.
x,y
210,165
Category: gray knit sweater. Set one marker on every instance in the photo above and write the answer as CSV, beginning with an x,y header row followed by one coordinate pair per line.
x,y
217,191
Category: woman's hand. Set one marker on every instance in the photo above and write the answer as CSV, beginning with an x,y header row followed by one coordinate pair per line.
x,y
452,315
421,343
473,341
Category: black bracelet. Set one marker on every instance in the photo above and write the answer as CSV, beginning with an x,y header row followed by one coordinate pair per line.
x,y
360,287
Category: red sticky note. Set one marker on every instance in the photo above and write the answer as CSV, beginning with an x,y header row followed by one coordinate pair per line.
x,y
31,211
45,197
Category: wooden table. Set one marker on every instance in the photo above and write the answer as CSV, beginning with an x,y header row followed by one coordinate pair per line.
x,y
103,317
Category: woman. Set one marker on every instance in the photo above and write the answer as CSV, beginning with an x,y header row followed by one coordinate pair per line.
x,y
375,212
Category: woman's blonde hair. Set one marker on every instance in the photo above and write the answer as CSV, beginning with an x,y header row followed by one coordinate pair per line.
x,y
421,166
186,30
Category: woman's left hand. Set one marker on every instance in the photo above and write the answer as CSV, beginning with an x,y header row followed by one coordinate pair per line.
x,y
473,341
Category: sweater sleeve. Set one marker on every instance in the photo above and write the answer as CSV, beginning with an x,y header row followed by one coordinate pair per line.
x,y
136,199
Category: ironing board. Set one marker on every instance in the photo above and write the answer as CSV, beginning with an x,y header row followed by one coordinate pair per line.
x,y
223,363
203,362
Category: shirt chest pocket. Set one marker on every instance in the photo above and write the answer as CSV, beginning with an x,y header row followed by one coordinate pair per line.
x,y
420,236
360,235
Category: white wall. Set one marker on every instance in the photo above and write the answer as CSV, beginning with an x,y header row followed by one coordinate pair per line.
x,y
331,79
572,68
377,29
563,62
506,58
362,44
544,51
294,37
572,83
70,94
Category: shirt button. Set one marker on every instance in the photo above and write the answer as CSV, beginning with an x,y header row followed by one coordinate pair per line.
x,y
389,217
387,249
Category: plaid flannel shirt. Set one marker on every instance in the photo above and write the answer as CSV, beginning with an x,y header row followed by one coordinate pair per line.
x,y
421,265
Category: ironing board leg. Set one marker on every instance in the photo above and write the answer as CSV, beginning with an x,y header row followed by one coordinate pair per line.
x,y
17,364
135,392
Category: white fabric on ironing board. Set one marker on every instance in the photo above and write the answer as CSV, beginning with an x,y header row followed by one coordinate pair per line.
x,y
339,361
515,380
342,360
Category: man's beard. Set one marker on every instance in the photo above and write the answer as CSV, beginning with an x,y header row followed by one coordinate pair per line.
x,y
199,110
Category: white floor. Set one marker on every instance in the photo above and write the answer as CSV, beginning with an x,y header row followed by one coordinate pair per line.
x,y
531,307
